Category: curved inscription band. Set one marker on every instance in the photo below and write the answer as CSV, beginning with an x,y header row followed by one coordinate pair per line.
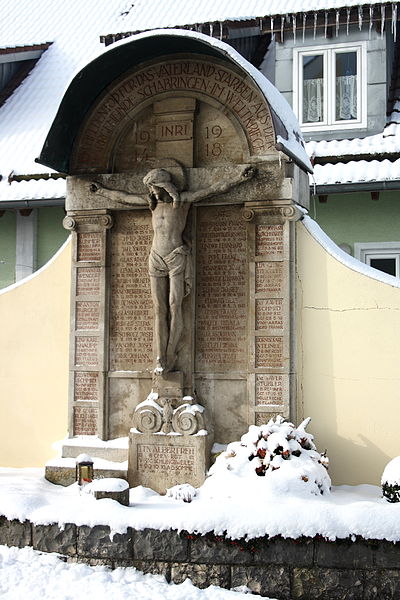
x,y
212,81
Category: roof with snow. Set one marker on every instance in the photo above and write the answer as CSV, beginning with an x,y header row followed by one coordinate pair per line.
x,y
72,32
112,62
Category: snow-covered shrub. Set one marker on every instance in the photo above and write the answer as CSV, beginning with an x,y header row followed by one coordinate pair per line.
x,y
391,480
275,457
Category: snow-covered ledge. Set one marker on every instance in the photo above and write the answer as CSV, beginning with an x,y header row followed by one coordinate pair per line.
x,y
337,545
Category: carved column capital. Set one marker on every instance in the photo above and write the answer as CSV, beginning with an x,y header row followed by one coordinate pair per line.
x,y
275,213
87,222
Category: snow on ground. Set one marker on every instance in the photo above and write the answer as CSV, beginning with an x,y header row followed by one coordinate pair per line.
x,y
347,511
29,574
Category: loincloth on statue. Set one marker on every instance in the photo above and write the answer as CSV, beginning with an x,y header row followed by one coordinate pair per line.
x,y
176,262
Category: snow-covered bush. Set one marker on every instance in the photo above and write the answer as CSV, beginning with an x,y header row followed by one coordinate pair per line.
x,y
391,480
275,457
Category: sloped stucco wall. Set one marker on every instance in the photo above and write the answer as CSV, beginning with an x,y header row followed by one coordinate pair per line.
x,y
34,343
348,343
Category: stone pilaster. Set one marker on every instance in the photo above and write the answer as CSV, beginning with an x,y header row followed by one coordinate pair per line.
x,y
89,322
271,368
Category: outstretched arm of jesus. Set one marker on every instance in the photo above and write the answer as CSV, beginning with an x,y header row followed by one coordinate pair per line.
x,y
119,196
219,188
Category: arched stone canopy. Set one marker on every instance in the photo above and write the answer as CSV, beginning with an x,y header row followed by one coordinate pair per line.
x,y
118,85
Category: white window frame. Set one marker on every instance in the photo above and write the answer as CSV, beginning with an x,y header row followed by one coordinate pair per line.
x,y
329,107
365,251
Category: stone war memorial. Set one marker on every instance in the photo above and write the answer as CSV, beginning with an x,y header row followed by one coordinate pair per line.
x,y
186,174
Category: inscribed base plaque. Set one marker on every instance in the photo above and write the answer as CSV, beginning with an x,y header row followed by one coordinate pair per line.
x,y
160,461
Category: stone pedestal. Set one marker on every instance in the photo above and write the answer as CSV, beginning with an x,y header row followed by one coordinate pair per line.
x,y
160,461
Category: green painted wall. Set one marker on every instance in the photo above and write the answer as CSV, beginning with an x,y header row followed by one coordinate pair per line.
x,y
50,233
7,248
349,218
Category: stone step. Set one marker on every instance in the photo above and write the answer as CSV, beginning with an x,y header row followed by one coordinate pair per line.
x,y
113,450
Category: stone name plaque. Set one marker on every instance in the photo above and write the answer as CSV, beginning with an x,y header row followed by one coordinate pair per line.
x,y
269,313
269,240
86,351
89,247
221,290
86,386
269,278
131,323
85,420
271,389
87,315
88,281
269,352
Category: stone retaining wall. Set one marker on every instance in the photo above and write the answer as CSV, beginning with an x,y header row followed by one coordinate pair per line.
x,y
307,568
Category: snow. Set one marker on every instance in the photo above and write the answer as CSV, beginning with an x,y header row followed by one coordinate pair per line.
x,y
95,442
108,484
283,457
29,574
325,241
347,511
147,14
98,463
391,474
357,172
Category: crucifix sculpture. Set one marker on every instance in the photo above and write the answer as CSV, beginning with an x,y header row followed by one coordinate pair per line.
x,y
170,264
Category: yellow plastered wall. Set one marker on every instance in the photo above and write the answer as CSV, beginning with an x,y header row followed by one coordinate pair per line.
x,y
34,343
348,342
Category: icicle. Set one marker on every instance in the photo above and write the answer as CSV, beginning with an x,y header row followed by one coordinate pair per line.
x,y
272,29
220,30
211,30
383,15
371,19
315,23
326,25
360,17
282,26
347,20
304,25
294,25
337,22
394,20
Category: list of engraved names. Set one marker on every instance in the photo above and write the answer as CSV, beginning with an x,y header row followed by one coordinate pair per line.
x,y
131,333
221,289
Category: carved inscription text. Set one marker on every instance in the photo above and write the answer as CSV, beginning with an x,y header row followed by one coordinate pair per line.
x,y
269,352
89,246
269,313
88,281
86,351
269,389
87,315
269,240
86,386
214,80
221,289
131,335
269,278
158,459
